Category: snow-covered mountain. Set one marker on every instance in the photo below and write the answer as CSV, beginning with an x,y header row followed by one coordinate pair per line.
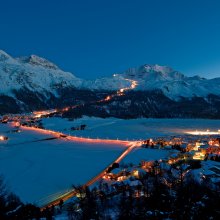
x,y
151,77
33,73
40,75
113,83
173,83
30,83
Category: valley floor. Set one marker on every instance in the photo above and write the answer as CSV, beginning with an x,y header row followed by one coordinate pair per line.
x,y
133,129
39,167
38,170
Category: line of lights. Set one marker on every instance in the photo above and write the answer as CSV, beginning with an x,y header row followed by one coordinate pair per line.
x,y
82,139
121,91
200,132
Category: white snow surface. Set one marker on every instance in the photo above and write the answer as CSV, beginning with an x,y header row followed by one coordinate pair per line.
x,y
145,154
141,128
41,75
40,171
34,73
113,83
173,83
153,77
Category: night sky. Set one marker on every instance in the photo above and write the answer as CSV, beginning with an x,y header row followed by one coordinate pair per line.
x,y
97,38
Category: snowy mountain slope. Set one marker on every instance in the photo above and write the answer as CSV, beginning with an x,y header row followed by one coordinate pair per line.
x,y
33,73
40,75
34,83
150,77
108,83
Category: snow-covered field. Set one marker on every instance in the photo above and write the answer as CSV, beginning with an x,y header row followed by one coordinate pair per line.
x,y
114,128
38,170
41,170
145,154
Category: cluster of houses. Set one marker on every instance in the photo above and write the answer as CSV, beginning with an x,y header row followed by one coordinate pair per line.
x,y
188,147
201,155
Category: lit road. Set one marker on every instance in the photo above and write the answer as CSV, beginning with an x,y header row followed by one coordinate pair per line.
x,y
120,92
129,144
54,200
72,193
56,134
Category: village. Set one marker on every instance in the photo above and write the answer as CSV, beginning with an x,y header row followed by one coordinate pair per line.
x,y
181,160
189,157
188,152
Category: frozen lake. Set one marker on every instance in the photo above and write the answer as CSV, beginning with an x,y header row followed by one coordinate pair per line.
x,y
114,128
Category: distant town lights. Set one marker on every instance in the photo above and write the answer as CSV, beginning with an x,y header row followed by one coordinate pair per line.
x,y
3,138
200,132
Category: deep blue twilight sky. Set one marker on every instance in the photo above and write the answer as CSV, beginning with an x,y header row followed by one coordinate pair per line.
x,y
94,38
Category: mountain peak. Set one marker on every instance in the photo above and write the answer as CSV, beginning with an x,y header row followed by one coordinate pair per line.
x,y
157,68
4,56
153,72
39,61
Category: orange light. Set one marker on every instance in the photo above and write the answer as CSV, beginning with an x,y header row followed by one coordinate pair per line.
x,y
3,138
107,98
81,139
207,132
17,124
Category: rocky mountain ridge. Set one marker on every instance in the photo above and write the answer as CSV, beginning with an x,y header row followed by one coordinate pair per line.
x,y
33,83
